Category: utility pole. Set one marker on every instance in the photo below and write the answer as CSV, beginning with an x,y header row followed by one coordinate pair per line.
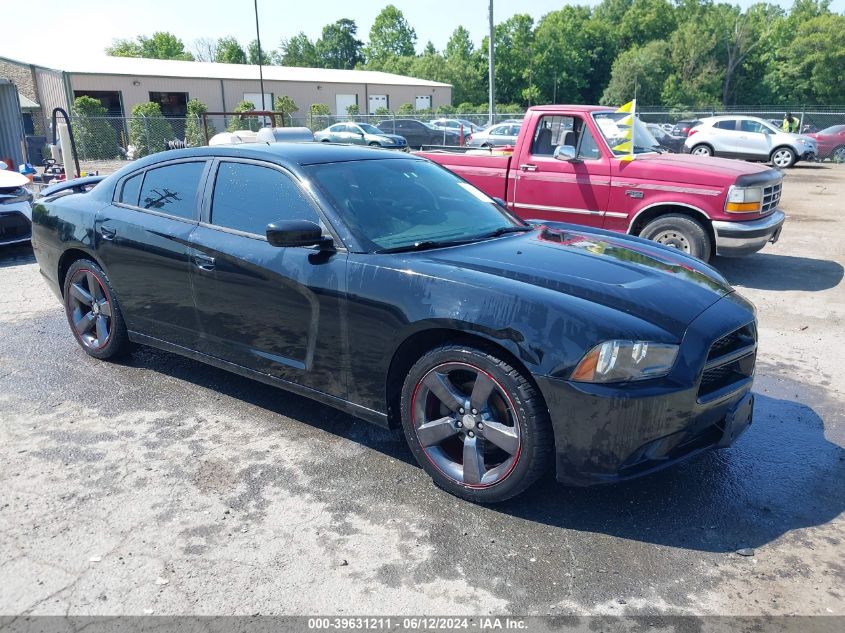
x,y
260,58
492,74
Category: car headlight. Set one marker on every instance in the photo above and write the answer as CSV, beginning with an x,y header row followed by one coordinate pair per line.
x,y
744,199
623,361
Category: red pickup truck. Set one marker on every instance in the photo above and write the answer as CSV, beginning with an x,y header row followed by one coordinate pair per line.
x,y
564,168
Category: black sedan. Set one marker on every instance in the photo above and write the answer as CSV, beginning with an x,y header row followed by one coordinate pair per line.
x,y
419,134
386,286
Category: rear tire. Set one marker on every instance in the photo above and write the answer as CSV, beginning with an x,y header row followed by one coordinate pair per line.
x,y
783,158
486,457
681,232
92,311
702,150
838,154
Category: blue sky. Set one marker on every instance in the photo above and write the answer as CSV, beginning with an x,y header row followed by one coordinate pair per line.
x,y
88,27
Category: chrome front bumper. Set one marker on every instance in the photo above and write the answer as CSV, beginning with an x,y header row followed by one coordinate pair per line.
x,y
735,239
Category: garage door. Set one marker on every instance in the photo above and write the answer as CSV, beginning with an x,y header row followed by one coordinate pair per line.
x,y
423,103
376,102
344,101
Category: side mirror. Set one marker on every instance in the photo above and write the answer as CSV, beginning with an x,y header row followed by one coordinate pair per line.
x,y
564,152
297,233
500,202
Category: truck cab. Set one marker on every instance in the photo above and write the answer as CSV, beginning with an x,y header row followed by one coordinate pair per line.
x,y
572,164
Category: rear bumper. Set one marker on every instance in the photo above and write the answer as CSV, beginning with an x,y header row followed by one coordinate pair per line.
x,y
610,433
735,239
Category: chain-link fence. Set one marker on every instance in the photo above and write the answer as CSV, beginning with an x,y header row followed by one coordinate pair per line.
x,y
105,143
812,118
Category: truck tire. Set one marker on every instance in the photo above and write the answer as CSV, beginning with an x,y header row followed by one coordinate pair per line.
x,y
783,157
681,232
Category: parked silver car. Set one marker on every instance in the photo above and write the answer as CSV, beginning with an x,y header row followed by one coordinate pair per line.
x,y
356,133
15,208
496,135
749,138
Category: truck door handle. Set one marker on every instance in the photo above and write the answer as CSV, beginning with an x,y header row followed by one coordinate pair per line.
x,y
107,233
204,262
528,167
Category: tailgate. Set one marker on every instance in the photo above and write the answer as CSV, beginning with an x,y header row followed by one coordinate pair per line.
x,y
488,173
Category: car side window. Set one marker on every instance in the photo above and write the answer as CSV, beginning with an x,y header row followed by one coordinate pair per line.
x,y
131,190
729,124
337,128
248,197
172,189
751,126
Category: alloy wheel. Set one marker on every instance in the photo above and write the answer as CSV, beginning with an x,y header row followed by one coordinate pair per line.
x,y
838,154
466,424
89,309
701,150
782,158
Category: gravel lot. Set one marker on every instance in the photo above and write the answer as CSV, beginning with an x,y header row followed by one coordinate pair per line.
x,y
162,486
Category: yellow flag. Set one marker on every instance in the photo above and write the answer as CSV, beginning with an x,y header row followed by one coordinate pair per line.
x,y
627,120
624,147
628,107
628,134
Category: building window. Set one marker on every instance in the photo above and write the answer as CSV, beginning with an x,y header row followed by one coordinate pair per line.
x,y
255,99
172,103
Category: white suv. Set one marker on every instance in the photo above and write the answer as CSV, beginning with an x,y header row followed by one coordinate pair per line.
x,y
749,138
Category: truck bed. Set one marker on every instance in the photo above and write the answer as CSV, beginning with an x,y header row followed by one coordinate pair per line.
x,y
489,173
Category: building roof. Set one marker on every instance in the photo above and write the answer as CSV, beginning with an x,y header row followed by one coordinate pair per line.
x,y
142,67
27,104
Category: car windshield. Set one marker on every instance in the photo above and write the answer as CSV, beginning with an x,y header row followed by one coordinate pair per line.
x,y
617,135
369,129
392,204
833,129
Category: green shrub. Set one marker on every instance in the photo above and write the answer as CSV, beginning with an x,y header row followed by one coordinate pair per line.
x,y
194,133
149,131
244,123
96,138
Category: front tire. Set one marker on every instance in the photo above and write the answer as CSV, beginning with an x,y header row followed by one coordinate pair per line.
x,y
783,158
838,154
681,232
93,312
702,150
475,424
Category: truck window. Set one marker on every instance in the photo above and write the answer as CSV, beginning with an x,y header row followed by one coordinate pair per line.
x,y
554,131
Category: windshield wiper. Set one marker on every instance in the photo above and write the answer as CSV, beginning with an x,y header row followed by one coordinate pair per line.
x,y
421,246
506,229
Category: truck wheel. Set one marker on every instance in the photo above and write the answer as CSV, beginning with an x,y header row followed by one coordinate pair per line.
x,y
783,157
702,150
681,232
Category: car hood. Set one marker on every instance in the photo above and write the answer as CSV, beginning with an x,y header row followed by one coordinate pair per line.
x,y
393,138
684,168
656,284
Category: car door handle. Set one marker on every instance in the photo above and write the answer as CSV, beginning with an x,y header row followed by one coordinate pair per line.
x,y
528,167
204,262
108,233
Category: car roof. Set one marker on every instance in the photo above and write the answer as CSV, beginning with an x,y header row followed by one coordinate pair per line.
x,y
724,117
305,153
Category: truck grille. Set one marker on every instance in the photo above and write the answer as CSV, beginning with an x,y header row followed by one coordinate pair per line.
x,y
730,362
771,197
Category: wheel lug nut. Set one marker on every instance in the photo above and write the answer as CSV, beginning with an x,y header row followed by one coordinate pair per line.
x,y
461,410
475,412
480,426
471,434
460,424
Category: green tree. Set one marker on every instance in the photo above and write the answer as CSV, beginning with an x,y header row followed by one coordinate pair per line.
x,y
353,110
646,20
161,45
299,51
287,107
405,109
514,49
338,47
97,138
229,51
814,62
464,68
149,131
641,72
562,57
194,131
269,58
242,122
695,79
390,36
320,116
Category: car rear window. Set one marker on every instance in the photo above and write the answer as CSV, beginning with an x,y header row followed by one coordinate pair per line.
x,y
173,189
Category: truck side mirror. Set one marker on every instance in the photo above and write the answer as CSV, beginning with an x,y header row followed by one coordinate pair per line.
x,y
564,152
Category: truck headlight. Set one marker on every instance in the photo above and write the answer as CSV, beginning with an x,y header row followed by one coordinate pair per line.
x,y
622,361
744,199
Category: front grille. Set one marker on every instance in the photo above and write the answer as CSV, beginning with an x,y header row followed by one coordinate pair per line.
x,y
771,196
14,227
730,361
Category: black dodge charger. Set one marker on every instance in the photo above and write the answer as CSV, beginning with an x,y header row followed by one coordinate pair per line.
x,y
386,286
